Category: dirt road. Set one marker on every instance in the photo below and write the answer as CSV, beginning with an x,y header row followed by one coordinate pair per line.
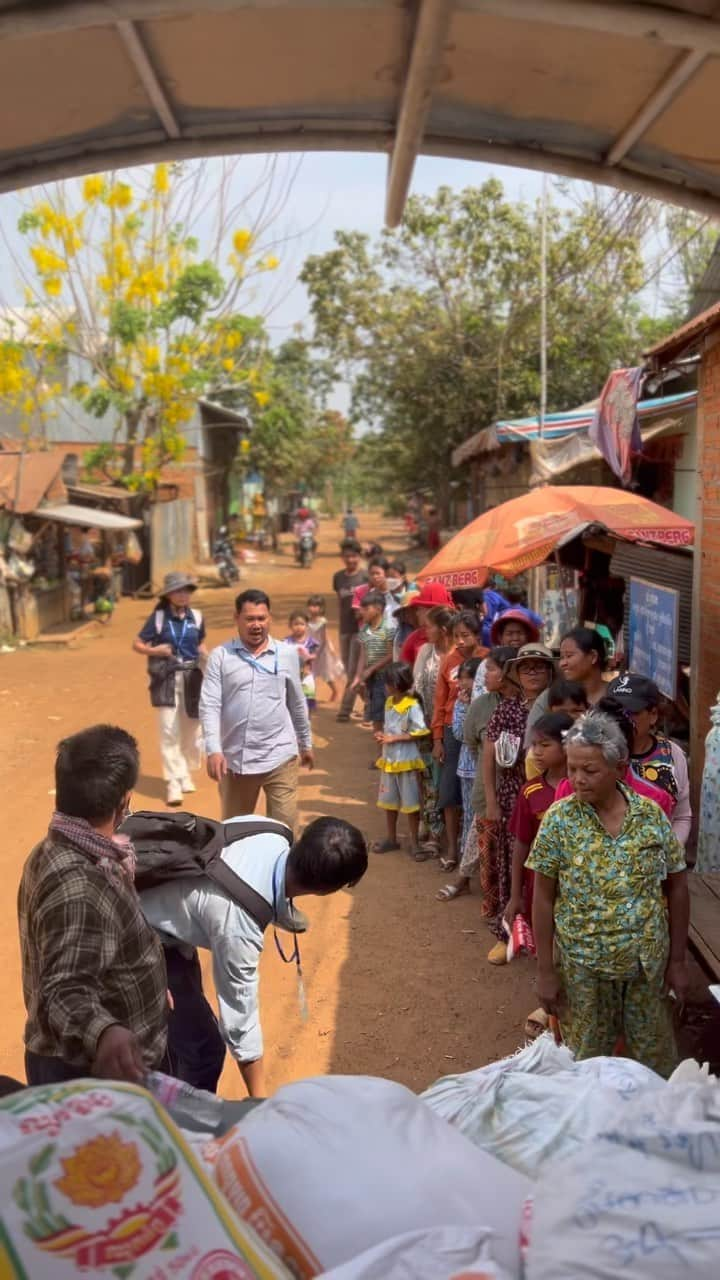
x,y
397,983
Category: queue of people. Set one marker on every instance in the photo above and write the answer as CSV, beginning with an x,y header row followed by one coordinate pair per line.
x,y
539,784
482,731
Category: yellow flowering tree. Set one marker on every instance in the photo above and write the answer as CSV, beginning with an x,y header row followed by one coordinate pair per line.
x,y
116,283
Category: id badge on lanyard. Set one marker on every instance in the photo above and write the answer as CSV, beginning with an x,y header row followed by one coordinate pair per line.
x,y
295,953
257,665
173,632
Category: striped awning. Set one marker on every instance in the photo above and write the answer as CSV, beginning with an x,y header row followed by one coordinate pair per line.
x,y
560,426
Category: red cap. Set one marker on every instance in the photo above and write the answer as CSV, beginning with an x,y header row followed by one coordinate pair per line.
x,y
433,595
513,615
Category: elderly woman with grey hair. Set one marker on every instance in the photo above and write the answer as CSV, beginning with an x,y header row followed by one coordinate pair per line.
x,y
610,906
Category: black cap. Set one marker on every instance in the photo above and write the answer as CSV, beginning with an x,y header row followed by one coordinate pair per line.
x,y
634,693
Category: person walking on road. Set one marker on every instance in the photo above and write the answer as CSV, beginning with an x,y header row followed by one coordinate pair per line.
x,y
350,523
94,978
254,716
173,641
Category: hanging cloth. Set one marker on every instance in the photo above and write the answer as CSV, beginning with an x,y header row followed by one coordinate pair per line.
x,y
615,428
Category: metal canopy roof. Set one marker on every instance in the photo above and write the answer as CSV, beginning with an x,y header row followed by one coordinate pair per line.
x,y
87,517
621,92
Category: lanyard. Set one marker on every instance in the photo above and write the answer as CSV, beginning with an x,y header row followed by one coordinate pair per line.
x,y
256,664
295,953
173,633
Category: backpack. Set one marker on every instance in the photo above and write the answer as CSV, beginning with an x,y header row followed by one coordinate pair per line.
x,y
195,614
169,845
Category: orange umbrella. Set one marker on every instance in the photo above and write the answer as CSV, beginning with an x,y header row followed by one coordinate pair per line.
x,y
525,531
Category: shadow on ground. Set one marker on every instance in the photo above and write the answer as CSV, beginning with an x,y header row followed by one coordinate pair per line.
x,y
417,998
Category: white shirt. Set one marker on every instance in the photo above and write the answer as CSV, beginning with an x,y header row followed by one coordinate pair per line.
x,y
197,912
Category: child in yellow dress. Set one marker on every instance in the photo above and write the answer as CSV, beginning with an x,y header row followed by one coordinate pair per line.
x,y
401,764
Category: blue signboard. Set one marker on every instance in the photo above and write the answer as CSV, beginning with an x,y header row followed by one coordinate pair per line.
x,y
653,638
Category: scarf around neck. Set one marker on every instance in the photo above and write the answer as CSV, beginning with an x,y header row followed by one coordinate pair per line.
x,y
116,857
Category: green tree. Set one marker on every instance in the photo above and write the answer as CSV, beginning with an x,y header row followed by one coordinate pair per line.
x,y
298,442
115,278
436,324
684,253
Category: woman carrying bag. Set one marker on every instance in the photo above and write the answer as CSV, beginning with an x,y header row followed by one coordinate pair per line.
x,y
173,641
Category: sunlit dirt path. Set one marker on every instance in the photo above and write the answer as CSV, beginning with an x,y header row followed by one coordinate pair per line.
x,y
397,983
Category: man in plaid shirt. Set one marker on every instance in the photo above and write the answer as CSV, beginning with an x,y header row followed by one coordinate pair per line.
x,y
94,977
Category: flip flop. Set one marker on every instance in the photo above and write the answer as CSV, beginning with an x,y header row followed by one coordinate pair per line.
x,y
384,846
535,1023
450,891
498,953
448,864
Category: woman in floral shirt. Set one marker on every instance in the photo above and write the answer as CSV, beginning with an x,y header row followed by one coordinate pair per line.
x,y
611,901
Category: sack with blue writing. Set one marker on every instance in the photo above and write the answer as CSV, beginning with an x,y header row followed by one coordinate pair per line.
x,y
642,1199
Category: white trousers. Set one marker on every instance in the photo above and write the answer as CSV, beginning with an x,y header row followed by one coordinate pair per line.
x,y
180,740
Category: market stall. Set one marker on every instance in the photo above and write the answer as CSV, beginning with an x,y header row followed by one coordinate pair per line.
x,y
598,556
69,553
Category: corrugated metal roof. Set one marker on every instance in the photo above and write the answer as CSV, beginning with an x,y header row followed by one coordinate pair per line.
x,y
560,426
87,517
686,336
68,423
27,478
625,93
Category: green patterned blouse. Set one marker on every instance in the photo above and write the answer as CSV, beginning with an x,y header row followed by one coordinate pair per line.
x,y
610,913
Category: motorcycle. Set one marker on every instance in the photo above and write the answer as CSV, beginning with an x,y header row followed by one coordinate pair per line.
x,y
305,549
224,558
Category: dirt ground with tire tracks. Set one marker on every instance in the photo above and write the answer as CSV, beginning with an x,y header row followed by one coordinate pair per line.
x,y
397,983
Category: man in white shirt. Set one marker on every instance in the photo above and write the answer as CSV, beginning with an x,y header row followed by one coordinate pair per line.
x,y
254,716
188,913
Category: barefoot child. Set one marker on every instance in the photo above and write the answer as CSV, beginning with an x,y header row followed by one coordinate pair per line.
x,y
327,664
401,764
467,762
375,656
307,649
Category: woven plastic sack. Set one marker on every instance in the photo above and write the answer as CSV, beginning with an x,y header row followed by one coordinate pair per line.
x,y
640,1200
333,1166
97,1181
538,1103
444,1253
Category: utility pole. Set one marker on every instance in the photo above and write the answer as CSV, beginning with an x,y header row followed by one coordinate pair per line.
x,y
543,305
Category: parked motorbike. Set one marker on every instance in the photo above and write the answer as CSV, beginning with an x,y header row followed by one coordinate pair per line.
x,y
305,550
224,558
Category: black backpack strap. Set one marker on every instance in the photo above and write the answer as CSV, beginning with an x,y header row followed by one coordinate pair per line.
x,y
260,827
253,902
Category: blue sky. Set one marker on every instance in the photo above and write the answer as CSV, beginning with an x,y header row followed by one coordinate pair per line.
x,y
330,191
348,192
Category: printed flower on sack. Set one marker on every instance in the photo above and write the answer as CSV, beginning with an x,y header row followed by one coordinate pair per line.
x,y
100,1172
